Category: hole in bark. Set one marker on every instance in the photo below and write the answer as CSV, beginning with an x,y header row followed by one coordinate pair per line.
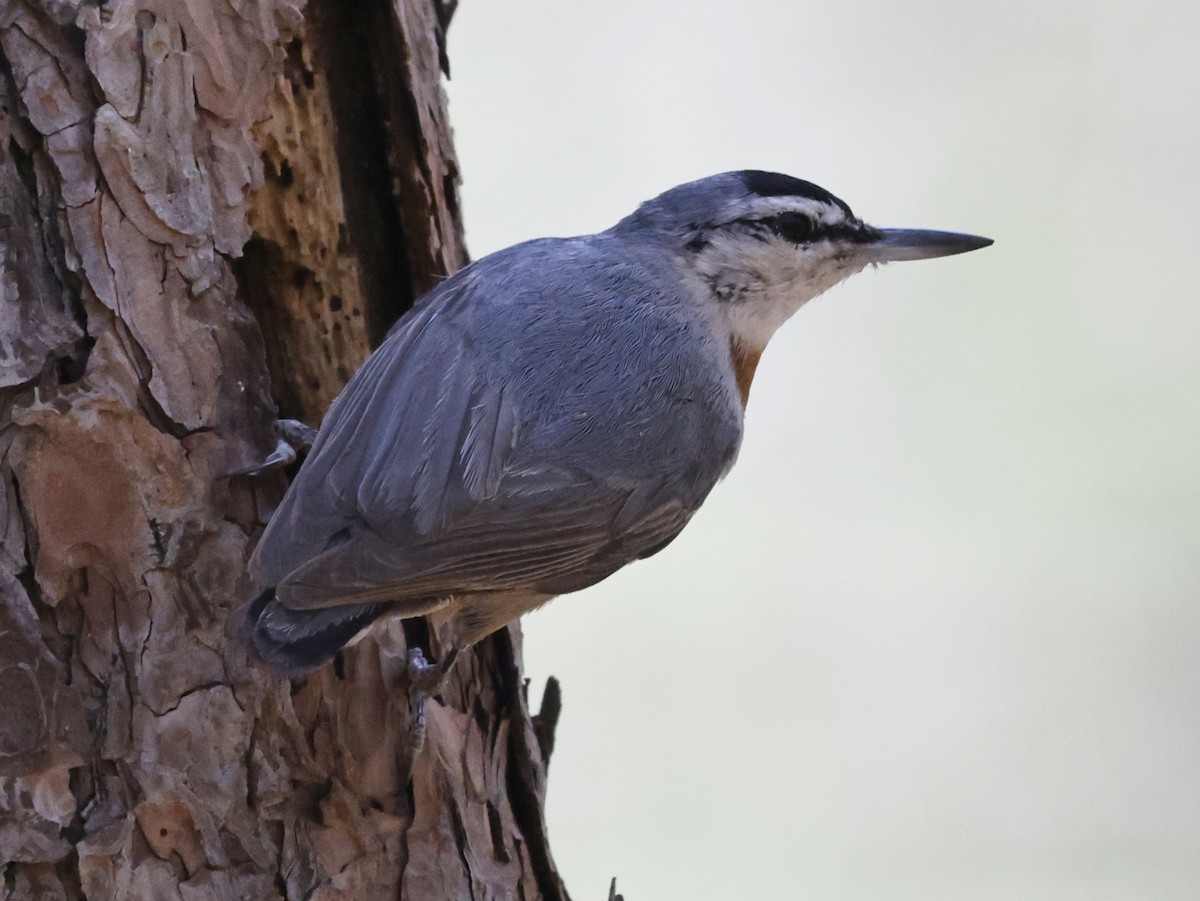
x,y
339,666
480,715
81,789
416,635
302,275
335,303
295,69
278,172
499,851
23,160
77,38
72,367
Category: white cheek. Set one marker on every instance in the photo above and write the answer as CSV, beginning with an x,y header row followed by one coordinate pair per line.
x,y
754,318
757,292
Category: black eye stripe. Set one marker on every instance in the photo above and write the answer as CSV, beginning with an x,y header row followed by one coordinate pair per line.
x,y
800,228
792,226
795,227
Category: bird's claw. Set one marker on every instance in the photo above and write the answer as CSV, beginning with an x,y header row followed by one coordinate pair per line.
x,y
422,676
294,437
283,455
298,434
423,679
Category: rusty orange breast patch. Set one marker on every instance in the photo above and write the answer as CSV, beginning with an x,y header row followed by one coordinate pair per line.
x,y
745,361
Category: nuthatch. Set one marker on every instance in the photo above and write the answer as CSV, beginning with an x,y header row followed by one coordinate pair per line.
x,y
550,413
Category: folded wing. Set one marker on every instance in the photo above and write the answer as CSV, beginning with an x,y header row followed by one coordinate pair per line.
x,y
415,488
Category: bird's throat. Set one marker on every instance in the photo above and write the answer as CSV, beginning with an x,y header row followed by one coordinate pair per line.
x,y
745,361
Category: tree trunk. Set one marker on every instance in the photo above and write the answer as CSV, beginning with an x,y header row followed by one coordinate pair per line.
x,y
209,212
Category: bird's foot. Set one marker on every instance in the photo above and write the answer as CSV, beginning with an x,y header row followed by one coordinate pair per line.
x,y
423,680
294,437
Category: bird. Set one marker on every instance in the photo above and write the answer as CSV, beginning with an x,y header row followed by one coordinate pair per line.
x,y
549,414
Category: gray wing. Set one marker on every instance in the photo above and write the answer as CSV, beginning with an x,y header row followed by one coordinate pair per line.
x,y
546,549
420,484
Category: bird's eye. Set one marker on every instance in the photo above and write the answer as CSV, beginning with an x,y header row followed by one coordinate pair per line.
x,y
795,227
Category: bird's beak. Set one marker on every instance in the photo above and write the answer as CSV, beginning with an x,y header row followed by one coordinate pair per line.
x,y
897,244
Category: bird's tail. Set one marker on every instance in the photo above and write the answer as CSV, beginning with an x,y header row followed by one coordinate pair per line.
x,y
298,641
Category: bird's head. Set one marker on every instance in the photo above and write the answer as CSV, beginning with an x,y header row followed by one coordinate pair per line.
x,y
756,246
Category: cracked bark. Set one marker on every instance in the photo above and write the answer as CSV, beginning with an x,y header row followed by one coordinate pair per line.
x,y
208,214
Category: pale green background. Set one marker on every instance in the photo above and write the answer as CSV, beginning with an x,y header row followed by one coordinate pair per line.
x,y
936,637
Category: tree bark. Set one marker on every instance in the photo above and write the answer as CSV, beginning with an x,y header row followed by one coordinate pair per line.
x,y
209,212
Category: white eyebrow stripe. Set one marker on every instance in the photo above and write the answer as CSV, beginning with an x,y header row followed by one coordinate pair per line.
x,y
764,207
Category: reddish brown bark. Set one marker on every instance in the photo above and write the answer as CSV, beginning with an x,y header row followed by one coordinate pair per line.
x,y
178,182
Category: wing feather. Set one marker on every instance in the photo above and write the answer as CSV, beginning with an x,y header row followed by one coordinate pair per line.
x,y
451,464
545,548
